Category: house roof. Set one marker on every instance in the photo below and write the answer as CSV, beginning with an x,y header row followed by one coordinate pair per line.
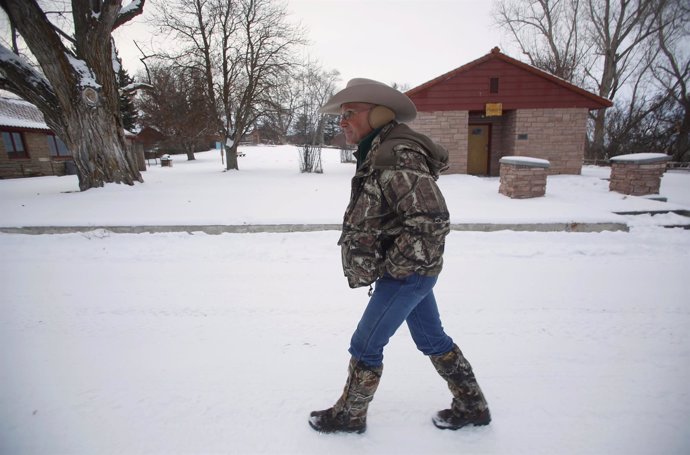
x,y
597,102
17,113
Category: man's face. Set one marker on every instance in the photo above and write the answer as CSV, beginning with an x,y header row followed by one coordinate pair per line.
x,y
354,121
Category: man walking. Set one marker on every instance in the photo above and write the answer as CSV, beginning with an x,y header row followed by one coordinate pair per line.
x,y
393,237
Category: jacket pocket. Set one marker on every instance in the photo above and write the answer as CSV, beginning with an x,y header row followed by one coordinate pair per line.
x,y
363,262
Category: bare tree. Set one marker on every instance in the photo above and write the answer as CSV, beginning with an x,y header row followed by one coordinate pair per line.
x,y
243,47
623,32
602,44
282,106
177,107
549,33
73,81
639,126
263,54
673,71
315,87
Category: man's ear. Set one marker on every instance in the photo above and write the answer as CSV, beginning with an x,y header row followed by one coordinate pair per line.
x,y
379,116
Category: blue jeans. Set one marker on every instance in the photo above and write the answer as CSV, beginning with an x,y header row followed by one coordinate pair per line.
x,y
393,302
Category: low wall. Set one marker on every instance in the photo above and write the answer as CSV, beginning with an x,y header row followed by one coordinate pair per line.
x,y
637,174
522,177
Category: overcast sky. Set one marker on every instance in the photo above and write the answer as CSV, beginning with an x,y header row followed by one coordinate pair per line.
x,y
403,41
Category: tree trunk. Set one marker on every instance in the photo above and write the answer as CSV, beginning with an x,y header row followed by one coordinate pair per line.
x,y
318,134
231,157
606,85
77,90
682,145
99,150
596,148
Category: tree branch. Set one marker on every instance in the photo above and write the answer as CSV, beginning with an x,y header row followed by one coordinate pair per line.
x,y
129,12
21,79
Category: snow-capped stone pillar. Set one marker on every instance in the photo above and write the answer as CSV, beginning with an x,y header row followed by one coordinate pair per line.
x,y
637,174
523,177
166,160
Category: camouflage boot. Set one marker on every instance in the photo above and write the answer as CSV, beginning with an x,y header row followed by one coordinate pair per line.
x,y
469,406
349,414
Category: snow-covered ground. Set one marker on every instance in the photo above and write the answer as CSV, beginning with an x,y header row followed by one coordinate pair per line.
x,y
194,343
270,190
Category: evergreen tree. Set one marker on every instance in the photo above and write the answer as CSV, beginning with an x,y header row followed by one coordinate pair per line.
x,y
126,101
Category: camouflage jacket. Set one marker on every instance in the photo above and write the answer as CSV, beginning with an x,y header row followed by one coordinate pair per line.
x,y
397,219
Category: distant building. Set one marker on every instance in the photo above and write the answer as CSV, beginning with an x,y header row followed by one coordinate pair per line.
x,y
30,148
497,106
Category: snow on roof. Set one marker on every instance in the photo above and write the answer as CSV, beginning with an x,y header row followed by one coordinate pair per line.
x,y
18,113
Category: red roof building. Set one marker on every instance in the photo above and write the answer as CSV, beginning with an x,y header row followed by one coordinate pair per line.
x,y
497,106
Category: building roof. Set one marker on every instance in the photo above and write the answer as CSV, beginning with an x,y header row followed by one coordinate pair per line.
x,y
17,113
20,114
594,101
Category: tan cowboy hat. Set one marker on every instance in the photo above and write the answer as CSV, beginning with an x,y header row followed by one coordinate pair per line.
x,y
362,90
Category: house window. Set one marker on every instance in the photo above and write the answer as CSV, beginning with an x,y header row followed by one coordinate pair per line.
x,y
58,149
493,85
14,144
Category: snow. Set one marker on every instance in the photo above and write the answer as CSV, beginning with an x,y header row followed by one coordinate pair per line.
x,y
86,76
525,160
134,86
196,343
34,77
22,123
270,190
114,61
15,112
131,6
641,157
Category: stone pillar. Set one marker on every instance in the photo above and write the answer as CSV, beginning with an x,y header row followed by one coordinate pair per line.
x,y
523,177
637,174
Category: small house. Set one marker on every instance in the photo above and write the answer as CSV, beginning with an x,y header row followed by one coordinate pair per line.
x,y
28,147
497,106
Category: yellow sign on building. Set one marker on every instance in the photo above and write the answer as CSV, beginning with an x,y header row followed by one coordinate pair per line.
x,y
494,109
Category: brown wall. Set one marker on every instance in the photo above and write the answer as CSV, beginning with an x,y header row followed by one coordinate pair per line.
x,y
450,130
39,161
556,135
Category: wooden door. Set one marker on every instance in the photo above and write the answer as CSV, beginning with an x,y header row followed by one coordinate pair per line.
x,y
478,150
